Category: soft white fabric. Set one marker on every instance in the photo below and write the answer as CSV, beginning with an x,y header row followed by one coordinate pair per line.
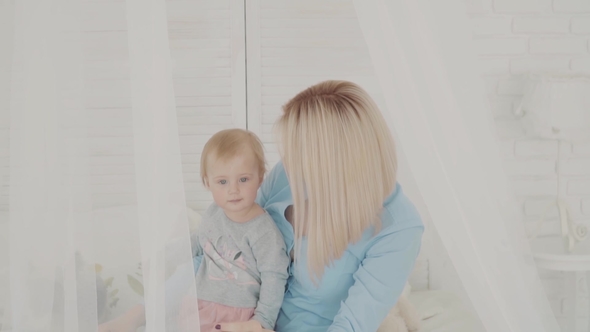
x,y
443,311
434,103
55,231
422,56
403,317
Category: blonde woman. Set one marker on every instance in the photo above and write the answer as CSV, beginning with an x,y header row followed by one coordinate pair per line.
x,y
352,233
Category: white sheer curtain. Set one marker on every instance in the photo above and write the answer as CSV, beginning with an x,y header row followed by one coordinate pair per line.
x,y
62,257
436,106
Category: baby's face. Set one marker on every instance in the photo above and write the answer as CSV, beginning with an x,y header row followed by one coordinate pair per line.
x,y
234,183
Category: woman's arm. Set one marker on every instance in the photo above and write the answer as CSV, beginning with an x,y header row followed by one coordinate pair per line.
x,y
379,281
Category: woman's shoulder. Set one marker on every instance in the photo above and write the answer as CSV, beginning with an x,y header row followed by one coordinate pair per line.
x,y
399,212
401,224
277,175
274,182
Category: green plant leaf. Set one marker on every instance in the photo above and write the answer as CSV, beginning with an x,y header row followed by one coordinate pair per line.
x,y
109,282
135,284
113,292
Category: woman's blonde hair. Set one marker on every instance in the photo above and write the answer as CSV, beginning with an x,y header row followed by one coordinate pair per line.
x,y
227,144
338,151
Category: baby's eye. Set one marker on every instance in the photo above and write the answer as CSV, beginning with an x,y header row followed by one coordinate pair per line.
x,y
243,179
222,181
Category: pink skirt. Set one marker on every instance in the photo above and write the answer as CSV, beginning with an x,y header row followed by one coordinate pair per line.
x,y
211,314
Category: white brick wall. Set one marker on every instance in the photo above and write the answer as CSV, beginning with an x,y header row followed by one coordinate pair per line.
x,y
501,45
539,64
509,85
536,148
531,168
580,65
570,6
558,45
515,38
540,25
575,166
578,187
581,25
491,25
581,149
521,6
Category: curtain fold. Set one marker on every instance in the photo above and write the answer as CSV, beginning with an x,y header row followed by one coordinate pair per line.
x,y
72,262
49,198
160,190
436,105
65,266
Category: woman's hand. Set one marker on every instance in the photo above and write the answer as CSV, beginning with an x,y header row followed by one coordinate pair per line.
x,y
249,326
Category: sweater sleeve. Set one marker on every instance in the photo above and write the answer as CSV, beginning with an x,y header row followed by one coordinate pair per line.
x,y
379,280
272,263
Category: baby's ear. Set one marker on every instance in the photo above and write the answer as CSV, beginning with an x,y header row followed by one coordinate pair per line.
x,y
206,182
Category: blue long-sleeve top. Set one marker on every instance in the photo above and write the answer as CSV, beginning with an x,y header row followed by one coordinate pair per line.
x,y
357,291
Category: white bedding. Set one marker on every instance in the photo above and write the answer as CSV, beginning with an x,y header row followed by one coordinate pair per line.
x,y
443,311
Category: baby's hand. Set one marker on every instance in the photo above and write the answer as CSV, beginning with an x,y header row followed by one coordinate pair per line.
x,y
249,326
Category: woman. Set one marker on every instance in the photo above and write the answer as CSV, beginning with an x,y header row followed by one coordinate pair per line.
x,y
352,234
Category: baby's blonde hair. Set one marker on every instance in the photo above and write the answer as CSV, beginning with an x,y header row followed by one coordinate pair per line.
x,y
229,143
337,150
